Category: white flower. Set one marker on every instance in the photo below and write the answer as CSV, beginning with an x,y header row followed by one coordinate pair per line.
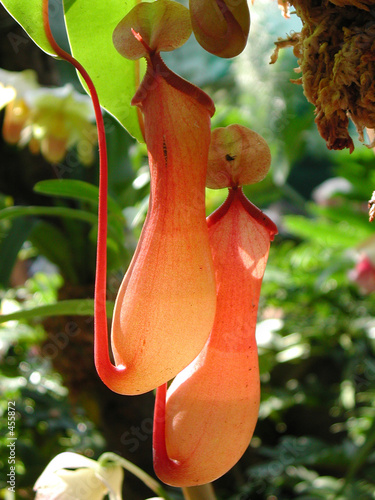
x,y
7,94
49,120
60,119
16,83
61,99
87,481
14,86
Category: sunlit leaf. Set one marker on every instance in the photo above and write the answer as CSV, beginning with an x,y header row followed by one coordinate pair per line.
x,y
90,24
28,13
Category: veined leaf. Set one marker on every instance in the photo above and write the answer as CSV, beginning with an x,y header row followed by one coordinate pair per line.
x,y
75,307
28,13
90,24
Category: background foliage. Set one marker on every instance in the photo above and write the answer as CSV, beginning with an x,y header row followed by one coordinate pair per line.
x,y
316,432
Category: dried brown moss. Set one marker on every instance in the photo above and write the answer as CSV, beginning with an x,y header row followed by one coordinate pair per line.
x,y
361,4
336,55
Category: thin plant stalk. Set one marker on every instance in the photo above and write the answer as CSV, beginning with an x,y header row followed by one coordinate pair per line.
x,y
203,492
149,481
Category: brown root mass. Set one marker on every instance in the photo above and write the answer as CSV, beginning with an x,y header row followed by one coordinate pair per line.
x,y
336,55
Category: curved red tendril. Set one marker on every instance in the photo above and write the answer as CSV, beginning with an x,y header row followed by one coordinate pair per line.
x,y
106,370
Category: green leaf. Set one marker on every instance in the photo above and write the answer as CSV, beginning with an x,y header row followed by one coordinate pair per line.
x,y
19,334
53,244
325,233
20,211
90,24
114,227
75,189
28,13
76,307
10,247
346,215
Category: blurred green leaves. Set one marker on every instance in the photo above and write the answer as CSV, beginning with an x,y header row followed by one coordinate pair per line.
x,y
60,242
78,307
316,340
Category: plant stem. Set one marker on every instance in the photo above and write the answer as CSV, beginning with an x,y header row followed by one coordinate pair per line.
x,y
203,492
139,473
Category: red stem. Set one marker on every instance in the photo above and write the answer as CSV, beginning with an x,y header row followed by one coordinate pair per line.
x,y
161,460
106,370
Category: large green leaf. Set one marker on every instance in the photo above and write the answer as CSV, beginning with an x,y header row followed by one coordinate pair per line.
x,y
90,24
28,13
